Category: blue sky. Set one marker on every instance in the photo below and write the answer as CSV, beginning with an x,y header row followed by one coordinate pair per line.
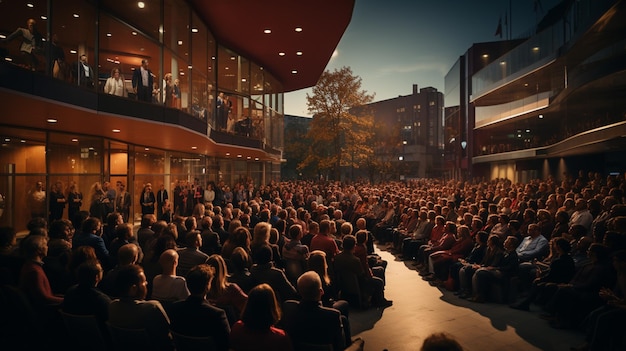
x,y
393,44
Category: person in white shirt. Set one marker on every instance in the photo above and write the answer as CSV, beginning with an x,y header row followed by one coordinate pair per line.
x,y
115,84
168,287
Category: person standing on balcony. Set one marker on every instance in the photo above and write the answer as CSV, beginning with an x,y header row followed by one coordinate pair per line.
x,y
142,82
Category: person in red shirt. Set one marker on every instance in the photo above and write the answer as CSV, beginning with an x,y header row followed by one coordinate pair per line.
x,y
324,242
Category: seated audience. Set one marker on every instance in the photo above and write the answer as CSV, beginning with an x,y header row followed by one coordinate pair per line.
x,y
224,294
256,329
196,316
168,287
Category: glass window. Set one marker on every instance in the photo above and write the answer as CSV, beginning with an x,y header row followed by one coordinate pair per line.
x,y
178,68
228,66
200,96
125,48
144,15
74,154
14,16
176,27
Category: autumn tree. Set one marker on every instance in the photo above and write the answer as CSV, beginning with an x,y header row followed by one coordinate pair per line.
x,y
338,137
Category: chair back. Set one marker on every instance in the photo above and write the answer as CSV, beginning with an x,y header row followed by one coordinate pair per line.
x,y
128,339
84,331
192,343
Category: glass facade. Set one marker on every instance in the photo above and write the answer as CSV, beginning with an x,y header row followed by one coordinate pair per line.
x,y
192,73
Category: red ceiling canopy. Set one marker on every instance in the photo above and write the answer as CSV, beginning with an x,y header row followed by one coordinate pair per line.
x,y
240,25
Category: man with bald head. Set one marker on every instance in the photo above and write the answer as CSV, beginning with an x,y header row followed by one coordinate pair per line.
x,y
126,255
308,321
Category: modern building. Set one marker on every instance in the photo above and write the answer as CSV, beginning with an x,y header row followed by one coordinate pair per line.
x,y
213,110
409,129
296,129
552,105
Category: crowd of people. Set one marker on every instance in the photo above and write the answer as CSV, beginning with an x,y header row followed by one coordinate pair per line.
x,y
282,264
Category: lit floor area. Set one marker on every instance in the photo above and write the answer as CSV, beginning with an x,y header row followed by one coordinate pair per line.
x,y
420,309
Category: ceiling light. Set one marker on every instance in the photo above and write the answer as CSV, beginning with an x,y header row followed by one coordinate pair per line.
x,y
233,58
2,36
91,148
527,130
44,17
74,140
243,79
256,158
75,15
182,73
189,66
8,59
294,72
536,48
30,5
540,116
299,53
147,149
239,156
7,140
267,31
180,42
248,157
22,141
51,120
194,30
502,63
72,51
281,54
141,4
133,33
109,34
194,147
116,130
298,29
228,154
525,84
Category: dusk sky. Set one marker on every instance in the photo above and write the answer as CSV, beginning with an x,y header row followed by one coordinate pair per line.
x,y
393,44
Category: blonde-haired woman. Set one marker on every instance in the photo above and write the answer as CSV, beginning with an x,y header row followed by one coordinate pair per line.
x,y
115,84
224,294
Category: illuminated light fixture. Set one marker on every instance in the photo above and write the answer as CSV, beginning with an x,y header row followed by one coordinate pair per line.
x,y
239,155
502,63
133,33
142,49
182,73
116,130
44,17
2,36
7,140
194,30
194,147
51,120
527,130
147,149
248,157
256,158
72,51
267,31
76,15
228,154
536,48
519,135
180,42
540,116
30,5
243,79
233,58
298,29
294,71
281,54
525,84
109,34
22,141
74,140
189,66
400,158
91,148
8,59
485,55
141,4
299,53
212,57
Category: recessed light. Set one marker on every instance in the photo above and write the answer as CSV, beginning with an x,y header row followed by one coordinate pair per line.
x,y
182,73
180,42
30,5
44,17
525,84
248,157
109,34
233,58
22,141
540,116
76,15
244,80
299,53
8,59
141,4
147,149
228,154
239,156
133,33
502,63
536,48
116,130
294,72
2,36
298,29
7,140
267,31
527,130
91,148
72,51
485,55
51,120
194,30
281,54
74,140
256,158
190,67
194,147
